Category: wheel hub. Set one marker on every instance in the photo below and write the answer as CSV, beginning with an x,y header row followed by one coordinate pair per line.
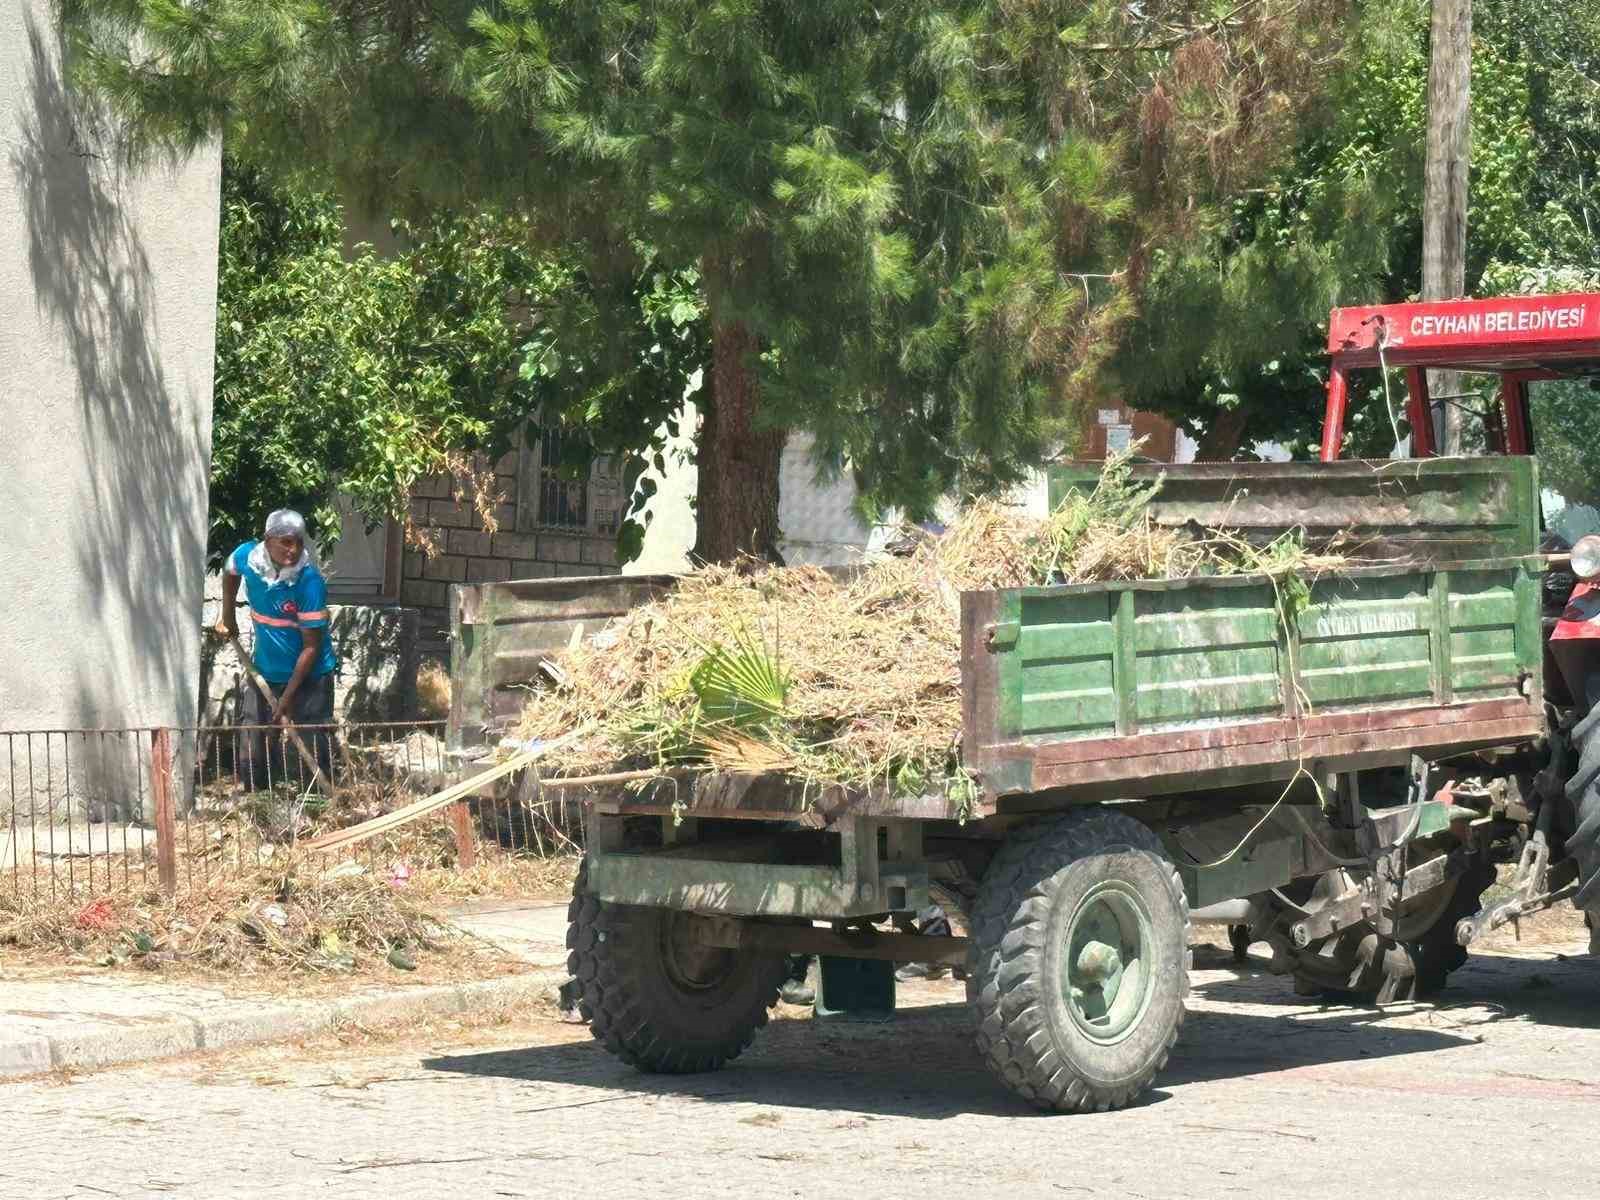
x,y
1105,976
691,962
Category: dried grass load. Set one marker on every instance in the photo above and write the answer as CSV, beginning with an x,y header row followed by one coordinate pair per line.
x,y
855,680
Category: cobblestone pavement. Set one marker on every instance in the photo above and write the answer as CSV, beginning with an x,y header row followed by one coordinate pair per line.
x,y
1494,1094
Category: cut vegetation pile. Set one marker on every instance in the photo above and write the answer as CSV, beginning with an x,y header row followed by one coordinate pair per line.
x,y
854,680
260,924
295,914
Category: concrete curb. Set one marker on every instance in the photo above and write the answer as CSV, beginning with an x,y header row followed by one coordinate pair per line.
x,y
97,1044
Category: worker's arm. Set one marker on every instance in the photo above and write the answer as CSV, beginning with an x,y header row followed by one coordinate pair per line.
x,y
228,623
310,643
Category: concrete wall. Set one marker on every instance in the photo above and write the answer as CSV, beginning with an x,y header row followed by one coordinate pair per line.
x,y
816,517
107,318
670,532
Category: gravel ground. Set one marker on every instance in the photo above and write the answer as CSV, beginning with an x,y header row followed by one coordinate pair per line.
x,y
1493,1093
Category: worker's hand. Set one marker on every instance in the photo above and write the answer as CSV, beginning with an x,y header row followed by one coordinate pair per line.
x,y
279,716
226,628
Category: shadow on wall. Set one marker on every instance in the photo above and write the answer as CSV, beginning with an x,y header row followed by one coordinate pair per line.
x,y
127,533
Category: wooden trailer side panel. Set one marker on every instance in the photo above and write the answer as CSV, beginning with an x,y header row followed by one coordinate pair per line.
x,y
1173,684
501,631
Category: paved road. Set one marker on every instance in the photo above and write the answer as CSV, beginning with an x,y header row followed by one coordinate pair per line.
x,y
1496,1094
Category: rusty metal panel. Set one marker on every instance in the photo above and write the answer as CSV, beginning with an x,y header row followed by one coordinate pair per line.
x,y
500,632
1424,510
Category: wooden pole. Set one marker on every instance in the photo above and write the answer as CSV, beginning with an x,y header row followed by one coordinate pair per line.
x,y
166,814
461,826
456,791
1444,193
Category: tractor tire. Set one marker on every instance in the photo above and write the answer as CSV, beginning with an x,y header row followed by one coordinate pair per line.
x,y
1365,967
1080,961
657,1000
1583,791
1437,953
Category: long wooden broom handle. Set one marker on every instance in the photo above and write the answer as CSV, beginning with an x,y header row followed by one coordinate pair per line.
x,y
266,690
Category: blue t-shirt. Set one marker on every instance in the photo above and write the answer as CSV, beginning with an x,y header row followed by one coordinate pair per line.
x,y
280,611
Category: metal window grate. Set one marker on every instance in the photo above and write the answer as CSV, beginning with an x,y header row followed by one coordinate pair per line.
x,y
563,503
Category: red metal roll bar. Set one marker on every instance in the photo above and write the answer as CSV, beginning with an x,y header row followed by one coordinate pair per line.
x,y
1519,338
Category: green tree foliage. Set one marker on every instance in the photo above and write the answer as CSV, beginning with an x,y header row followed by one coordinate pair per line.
x,y
1230,339
366,373
916,224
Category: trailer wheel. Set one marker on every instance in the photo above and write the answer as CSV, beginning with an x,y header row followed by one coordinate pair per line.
x,y
1583,790
1080,961
655,998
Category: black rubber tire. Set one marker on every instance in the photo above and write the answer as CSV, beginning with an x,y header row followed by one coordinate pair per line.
x,y
1395,972
1437,953
633,994
1028,897
1583,791
1239,942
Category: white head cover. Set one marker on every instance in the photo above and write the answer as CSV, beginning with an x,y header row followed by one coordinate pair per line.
x,y
284,522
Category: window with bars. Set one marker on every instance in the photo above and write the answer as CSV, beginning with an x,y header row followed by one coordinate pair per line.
x,y
563,503
546,500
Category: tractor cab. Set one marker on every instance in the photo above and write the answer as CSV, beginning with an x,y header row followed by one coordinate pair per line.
x,y
1530,367
1519,342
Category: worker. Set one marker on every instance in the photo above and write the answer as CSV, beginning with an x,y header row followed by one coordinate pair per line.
x,y
294,649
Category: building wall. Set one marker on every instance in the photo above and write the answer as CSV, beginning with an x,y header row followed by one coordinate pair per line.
x,y
817,518
107,317
1112,427
524,544
669,533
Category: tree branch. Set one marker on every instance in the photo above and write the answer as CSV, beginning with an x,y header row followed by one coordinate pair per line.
x,y
1171,43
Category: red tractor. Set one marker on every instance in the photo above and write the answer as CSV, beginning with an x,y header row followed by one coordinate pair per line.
x,y
1527,347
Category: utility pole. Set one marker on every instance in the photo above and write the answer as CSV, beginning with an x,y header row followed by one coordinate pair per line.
x,y
1444,192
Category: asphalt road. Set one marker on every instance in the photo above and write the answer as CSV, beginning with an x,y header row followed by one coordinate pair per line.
x,y
1495,1093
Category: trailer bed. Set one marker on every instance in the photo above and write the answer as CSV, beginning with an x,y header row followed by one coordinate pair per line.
x,y
1089,692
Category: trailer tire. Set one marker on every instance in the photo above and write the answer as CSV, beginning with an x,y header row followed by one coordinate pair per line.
x,y
656,1001
1583,791
1437,953
1067,1020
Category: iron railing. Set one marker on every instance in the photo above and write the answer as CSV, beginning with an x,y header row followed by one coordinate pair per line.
x,y
94,811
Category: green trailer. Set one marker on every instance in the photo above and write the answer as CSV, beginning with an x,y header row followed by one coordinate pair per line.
x,y
1335,779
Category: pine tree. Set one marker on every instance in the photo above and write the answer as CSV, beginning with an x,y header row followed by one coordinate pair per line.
x,y
918,225
1230,339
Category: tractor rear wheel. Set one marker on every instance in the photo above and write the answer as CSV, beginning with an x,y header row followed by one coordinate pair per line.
x,y
1583,791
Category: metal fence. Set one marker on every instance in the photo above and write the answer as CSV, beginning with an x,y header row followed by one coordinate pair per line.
x,y
95,811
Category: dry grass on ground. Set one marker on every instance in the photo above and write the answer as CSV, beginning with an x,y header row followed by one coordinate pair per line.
x,y
282,927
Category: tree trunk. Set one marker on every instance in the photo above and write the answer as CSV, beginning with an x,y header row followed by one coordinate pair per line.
x,y
1444,196
1219,441
736,498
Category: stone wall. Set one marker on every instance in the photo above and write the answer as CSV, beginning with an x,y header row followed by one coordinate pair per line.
x,y
523,546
